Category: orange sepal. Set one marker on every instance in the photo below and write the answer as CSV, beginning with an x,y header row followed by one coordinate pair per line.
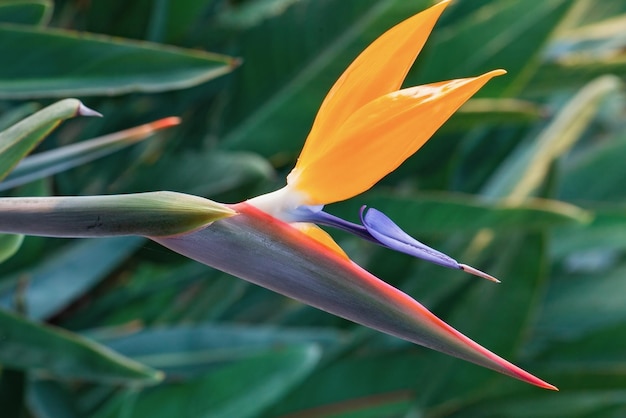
x,y
378,137
378,70
321,236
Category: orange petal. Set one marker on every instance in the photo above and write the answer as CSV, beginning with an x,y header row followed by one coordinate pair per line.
x,y
378,137
378,70
321,236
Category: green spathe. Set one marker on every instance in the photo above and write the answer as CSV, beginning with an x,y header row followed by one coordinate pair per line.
x,y
147,214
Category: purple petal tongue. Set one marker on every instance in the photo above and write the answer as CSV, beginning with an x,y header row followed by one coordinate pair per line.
x,y
387,233
390,235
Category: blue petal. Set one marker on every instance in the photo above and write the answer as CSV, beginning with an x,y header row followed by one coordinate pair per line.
x,y
313,215
387,233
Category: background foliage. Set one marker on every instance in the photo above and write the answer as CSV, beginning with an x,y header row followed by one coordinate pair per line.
x,y
525,182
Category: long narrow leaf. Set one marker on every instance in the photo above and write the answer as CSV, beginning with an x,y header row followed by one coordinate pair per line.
x,y
51,162
88,64
30,346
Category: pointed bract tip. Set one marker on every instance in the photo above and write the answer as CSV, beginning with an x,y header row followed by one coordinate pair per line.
x,y
85,111
550,387
534,380
478,273
531,379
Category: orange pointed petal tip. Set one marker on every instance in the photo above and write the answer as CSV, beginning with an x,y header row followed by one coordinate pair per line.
x,y
378,137
378,70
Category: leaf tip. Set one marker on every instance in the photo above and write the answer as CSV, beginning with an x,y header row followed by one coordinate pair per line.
x,y
85,111
235,62
166,123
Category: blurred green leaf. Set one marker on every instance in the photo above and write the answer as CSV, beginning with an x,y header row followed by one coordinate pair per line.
x,y
480,112
47,398
26,12
190,350
98,65
52,351
571,74
527,167
185,15
501,34
577,304
375,379
574,404
204,174
50,288
12,390
606,233
21,138
9,245
581,180
447,213
243,389
17,113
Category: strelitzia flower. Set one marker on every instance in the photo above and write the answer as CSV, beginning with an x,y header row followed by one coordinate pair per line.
x,y
366,127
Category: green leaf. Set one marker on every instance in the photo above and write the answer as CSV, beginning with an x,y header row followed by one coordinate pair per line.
x,y
17,113
47,398
501,34
50,288
87,64
582,53
582,178
190,350
47,163
525,169
26,12
185,15
447,213
18,140
279,121
44,349
380,380
577,304
206,173
12,389
604,234
575,403
482,112
241,390
9,245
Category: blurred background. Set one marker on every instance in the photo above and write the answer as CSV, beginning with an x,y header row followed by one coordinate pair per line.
x,y
527,182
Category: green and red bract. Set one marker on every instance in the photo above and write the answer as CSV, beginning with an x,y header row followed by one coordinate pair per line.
x,y
271,253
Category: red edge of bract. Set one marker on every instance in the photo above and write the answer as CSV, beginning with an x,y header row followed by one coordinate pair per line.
x,y
395,294
246,208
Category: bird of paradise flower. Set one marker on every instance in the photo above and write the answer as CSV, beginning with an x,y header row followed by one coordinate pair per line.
x,y
365,128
